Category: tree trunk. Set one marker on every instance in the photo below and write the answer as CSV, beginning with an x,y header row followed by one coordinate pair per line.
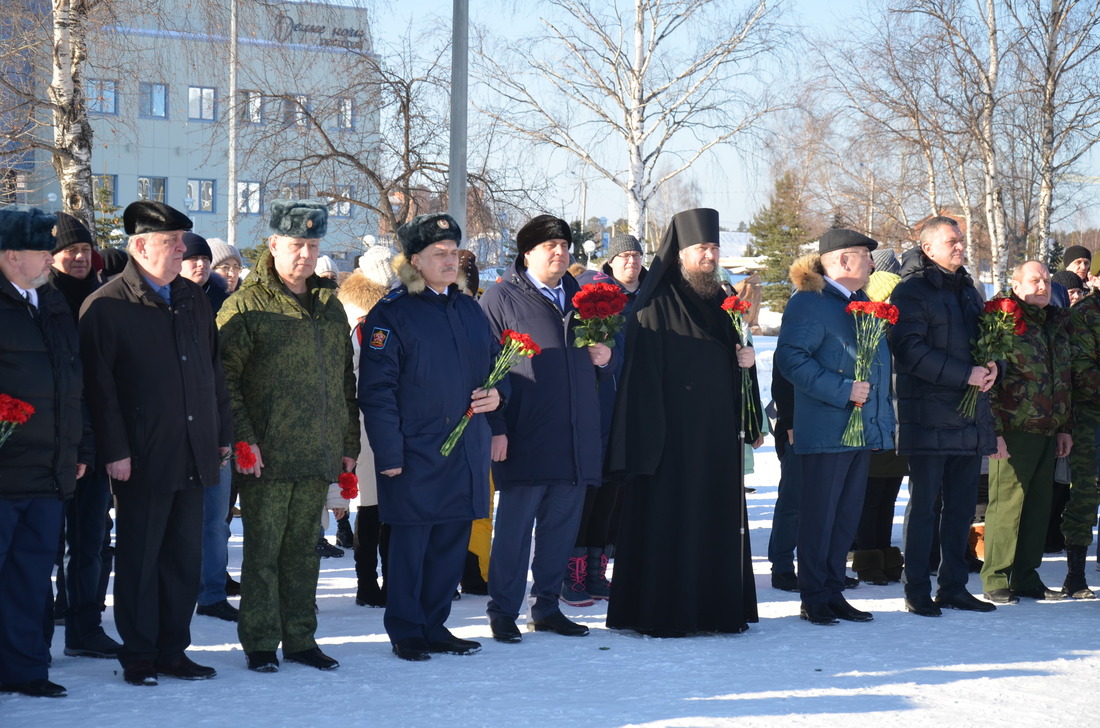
x,y
72,157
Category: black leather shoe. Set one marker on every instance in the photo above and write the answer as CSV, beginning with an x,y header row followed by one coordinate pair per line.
x,y
1043,594
850,583
923,606
505,630
143,672
184,668
232,586
1001,596
262,661
785,581
221,610
844,610
817,614
413,649
312,657
966,602
35,688
454,646
558,623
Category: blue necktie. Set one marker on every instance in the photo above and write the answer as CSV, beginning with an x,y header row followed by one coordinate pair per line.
x,y
165,293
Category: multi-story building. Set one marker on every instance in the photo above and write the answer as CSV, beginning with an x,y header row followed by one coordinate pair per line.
x,y
160,105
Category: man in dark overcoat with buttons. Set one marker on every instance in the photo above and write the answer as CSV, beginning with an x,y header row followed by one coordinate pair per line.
x,y
427,350
156,392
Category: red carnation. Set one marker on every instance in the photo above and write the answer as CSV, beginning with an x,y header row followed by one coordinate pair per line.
x,y
246,459
13,412
349,485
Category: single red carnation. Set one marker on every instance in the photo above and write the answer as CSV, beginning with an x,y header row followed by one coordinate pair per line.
x,y
731,303
246,459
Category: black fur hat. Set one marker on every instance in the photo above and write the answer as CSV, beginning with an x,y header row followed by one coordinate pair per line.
x,y
149,216
539,230
26,228
423,230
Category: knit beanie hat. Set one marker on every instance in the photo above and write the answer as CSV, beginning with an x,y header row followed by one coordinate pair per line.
x,y
1074,252
377,265
195,246
622,243
222,252
325,264
70,231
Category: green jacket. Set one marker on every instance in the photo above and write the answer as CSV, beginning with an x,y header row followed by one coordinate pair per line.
x,y
1034,394
1085,329
289,375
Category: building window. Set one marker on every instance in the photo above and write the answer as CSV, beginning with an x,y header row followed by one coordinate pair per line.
x,y
102,96
13,186
296,110
200,195
340,206
252,107
105,189
294,191
200,103
345,114
153,100
248,198
151,188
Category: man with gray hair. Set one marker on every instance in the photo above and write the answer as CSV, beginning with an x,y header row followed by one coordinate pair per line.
x,y
303,429
156,392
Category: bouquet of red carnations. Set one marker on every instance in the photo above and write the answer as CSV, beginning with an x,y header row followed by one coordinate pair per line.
x,y
871,318
515,346
246,459
13,412
349,485
599,308
737,308
1001,320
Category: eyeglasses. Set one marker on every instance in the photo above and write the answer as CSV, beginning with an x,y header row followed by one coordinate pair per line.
x,y
228,268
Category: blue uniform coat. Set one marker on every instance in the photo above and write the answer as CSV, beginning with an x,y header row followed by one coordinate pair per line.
x,y
421,360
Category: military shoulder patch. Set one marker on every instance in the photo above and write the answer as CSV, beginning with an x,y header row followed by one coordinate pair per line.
x,y
393,295
379,337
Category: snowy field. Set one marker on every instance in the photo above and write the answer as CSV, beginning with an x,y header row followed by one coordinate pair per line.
x,y
1027,664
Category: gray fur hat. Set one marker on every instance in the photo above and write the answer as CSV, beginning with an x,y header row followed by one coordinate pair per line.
x,y
298,218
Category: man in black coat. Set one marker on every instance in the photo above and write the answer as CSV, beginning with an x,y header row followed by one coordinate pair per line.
x,y
160,410
938,309
83,574
40,366
546,444
682,562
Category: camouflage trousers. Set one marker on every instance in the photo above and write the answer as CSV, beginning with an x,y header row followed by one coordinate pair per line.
x,y
1079,517
281,520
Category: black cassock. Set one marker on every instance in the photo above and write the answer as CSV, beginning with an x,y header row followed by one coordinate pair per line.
x,y
682,561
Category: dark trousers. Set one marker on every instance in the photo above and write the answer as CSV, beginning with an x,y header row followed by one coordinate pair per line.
x,y
371,544
876,522
85,529
425,563
29,529
595,525
784,536
158,556
556,509
830,512
954,479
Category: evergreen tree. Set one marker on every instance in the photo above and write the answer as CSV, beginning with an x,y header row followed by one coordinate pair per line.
x,y
107,219
778,234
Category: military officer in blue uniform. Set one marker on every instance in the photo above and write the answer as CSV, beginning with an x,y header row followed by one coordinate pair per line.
x,y
427,349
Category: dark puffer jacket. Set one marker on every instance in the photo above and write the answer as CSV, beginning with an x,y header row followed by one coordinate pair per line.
x,y
40,365
553,418
937,320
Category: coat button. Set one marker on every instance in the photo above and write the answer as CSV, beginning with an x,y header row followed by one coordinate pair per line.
x,y
189,418
184,357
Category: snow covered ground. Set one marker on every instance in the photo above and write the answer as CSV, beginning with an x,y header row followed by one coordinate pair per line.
x,y
1028,664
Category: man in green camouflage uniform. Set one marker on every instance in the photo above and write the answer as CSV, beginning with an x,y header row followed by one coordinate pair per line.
x,y
1079,515
287,357
1031,408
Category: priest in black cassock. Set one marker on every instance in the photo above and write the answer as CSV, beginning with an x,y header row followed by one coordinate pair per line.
x,y
682,562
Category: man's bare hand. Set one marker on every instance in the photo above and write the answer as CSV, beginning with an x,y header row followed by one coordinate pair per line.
x,y
746,356
1002,450
498,448
482,401
860,392
255,469
119,470
1063,443
600,354
81,468
392,472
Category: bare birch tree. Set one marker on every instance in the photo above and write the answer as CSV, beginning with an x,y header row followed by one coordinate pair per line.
x,y
624,88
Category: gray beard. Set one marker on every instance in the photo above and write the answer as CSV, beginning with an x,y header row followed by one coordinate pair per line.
x,y
705,285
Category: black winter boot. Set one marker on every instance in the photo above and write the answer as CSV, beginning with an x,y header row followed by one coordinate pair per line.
x,y
1075,585
892,563
867,563
472,583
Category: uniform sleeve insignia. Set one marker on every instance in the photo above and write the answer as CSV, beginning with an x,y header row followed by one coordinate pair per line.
x,y
379,337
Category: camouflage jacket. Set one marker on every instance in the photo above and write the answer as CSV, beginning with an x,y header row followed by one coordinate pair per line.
x,y
1034,394
289,375
1085,330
